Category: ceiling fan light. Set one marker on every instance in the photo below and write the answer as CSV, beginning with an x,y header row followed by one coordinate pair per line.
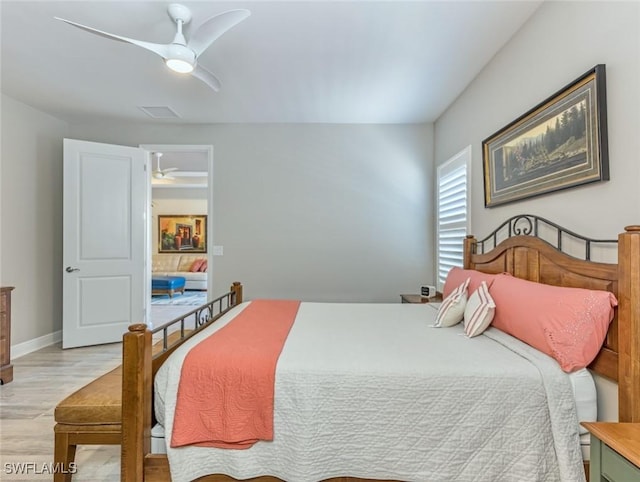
x,y
179,65
180,59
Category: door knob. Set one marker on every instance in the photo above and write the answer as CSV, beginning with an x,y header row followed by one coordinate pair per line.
x,y
69,269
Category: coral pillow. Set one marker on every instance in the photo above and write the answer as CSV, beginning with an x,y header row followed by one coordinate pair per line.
x,y
203,266
568,324
479,311
451,311
197,264
458,275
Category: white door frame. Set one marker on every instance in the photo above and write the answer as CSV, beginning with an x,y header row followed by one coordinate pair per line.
x,y
208,150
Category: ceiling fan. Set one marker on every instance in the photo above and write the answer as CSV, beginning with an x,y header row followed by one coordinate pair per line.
x,y
162,173
180,55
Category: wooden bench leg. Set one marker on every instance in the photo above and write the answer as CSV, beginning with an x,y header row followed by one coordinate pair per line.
x,y
64,455
68,437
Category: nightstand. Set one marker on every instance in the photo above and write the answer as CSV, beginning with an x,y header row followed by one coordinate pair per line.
x,y
420,299
615,451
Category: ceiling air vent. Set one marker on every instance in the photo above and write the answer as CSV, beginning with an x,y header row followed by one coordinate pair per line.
x,y
159,112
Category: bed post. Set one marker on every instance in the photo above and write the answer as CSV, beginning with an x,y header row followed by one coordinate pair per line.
x,y
629,325
236,289
136,402
469,249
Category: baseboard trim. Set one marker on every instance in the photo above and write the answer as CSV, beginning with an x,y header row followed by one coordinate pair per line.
x,y
35,344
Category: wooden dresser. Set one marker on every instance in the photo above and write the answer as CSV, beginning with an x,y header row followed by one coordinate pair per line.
x,y
6,369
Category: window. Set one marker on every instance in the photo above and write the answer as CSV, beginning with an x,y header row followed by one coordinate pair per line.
x,y
452,212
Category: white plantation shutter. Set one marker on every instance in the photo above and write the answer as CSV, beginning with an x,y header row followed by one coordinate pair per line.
x,y
453,212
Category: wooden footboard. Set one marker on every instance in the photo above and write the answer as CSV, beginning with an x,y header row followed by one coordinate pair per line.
x,y
139,367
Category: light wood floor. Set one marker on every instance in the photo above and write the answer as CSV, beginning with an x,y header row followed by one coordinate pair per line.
x,y
41,379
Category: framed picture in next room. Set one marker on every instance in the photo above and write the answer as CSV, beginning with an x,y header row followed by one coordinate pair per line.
x,y
180,233
560,143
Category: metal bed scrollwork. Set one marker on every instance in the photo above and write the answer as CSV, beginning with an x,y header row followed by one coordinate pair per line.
x,y
530,225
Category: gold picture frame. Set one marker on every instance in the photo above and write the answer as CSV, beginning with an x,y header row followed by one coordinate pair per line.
x,y
182,233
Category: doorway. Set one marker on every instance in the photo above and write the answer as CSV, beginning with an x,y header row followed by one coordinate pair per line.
x,y
181,182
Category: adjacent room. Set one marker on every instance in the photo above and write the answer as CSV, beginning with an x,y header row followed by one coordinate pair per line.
x,y
434,202
179,235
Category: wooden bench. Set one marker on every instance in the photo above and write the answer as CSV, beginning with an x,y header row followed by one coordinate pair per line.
x,y
90,416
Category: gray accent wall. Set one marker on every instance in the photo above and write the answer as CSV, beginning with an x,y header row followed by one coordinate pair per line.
x,y
560,42
313,212
308,211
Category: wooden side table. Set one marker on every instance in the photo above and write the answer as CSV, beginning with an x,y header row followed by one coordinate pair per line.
x,y
615,451
413,298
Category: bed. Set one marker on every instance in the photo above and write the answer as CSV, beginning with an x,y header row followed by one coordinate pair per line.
x,y
521,253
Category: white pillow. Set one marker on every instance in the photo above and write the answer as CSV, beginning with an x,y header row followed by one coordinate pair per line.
x,y
451,311
479,312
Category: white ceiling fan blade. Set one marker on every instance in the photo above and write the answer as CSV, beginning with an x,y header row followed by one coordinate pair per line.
x,y
207,77
212,28
170,169
191,174
160,49
162,175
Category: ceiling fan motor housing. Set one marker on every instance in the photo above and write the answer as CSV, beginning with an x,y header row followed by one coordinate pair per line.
x,y
179,12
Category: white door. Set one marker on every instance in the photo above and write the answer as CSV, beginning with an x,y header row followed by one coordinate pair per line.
x,y
104,252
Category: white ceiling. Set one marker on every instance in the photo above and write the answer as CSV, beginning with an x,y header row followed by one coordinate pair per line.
x,y
290,61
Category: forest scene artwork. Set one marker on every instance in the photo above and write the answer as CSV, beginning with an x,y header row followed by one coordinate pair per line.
x,y
182,233
559,144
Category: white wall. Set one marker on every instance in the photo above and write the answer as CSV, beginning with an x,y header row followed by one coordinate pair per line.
x,y
31,221
313,212
175,201
559,43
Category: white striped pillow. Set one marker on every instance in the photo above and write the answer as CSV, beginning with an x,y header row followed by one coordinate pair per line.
x,y
478,314
451,311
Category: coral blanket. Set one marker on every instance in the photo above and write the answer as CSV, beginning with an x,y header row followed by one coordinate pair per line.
x,y
226,390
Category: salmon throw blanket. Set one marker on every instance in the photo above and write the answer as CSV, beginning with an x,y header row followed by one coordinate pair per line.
x,y
226,389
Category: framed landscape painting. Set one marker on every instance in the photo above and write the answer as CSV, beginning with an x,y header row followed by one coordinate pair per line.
x,y
560,143
179,233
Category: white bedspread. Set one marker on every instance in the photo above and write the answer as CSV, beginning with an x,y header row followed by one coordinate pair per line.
x,y
371,391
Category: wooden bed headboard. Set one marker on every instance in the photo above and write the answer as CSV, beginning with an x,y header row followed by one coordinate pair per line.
x,y
517,248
